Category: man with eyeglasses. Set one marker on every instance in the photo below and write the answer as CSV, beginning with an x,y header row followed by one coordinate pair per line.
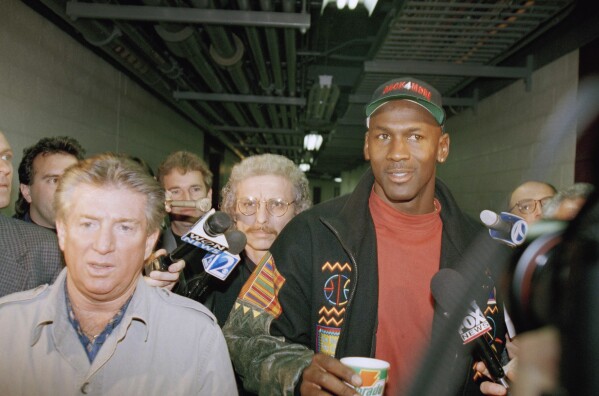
x,y
528,199
263,194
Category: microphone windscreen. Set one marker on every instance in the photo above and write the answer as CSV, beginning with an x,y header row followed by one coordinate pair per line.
x,y
218,223
446,286
236,240
204,204
489,218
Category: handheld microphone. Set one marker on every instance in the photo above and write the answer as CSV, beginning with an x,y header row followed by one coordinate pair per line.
x,y
218,265
475,328
203,204
212,224
505,227
207,241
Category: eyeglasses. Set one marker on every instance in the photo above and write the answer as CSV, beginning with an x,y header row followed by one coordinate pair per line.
x,y
529,205
275,206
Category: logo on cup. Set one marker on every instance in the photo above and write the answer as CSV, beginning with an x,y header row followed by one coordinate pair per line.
x,y
373,373
373,382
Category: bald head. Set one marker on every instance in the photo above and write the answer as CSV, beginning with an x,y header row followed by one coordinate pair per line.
x,y
527,200
6,155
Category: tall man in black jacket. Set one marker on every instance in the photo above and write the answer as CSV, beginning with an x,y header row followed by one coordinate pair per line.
x,y
351,276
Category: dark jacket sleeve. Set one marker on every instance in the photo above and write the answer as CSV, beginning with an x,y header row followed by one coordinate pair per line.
x,y
269,349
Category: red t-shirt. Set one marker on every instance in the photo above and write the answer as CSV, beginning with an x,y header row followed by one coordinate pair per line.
x,y
409,250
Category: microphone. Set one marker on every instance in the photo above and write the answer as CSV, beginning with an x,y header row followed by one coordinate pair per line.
x,y
212,224
203,204
445,287
209,241
505,227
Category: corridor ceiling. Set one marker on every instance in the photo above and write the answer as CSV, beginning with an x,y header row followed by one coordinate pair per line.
x,y
257,75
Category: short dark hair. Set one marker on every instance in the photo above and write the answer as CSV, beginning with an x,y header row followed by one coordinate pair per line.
x,y
45,146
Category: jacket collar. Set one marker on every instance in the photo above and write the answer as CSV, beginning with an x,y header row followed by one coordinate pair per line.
x,y
53,311
355,216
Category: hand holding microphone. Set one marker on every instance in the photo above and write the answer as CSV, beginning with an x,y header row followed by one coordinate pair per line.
x,y
202,204
211,244
505,227
475,328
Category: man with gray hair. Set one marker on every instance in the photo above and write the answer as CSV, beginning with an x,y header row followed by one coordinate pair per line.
x,y
263,194
100,328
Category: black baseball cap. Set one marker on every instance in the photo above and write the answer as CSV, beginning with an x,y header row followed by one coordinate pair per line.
x,y
411,89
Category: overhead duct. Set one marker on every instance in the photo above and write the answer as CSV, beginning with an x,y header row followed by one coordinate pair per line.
x,y
183,43
227,51
290,121
322,100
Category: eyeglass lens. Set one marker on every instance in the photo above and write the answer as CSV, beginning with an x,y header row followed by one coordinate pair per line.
x,y
275,206
529,205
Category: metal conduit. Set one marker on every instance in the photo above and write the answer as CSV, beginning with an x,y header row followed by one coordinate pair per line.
x,y
227,51
103,35
170,68
291,58
184,43
273,49
256,48
272,42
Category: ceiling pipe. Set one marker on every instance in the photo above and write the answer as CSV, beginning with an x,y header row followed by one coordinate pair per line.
x,y
169,67
273,49
110,39
127,57
331,102
272,41
183,43
227,51
291,61
256,48
260,63
252,35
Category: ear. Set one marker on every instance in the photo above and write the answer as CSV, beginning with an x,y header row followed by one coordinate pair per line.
x,y
150,243
61,233
366,155
443,151
26,191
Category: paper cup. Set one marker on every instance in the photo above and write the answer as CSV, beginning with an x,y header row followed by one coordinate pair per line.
x,y
373,373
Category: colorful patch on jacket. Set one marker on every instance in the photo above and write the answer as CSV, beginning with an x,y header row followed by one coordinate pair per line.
x,y
331,316
326,339
336,290
263,286
335,267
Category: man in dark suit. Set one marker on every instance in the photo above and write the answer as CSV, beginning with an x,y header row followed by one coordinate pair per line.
x,y
30,254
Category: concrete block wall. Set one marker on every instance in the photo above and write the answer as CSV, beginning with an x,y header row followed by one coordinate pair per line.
x,y
51,85
501,144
